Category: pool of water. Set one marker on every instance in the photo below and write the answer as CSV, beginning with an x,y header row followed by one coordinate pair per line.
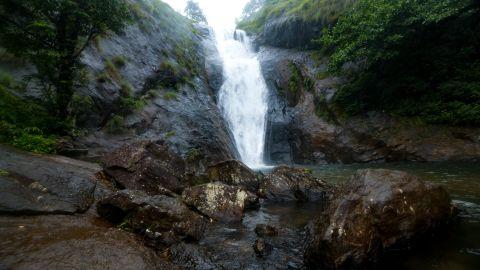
x,y
230,246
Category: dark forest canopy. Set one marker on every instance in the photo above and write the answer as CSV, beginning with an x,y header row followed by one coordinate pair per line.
x,y
417,58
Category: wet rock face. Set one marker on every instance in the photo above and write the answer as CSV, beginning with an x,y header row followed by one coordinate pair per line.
x,y
289,32
147,166
378,210
41,184
292,184
162,220
235,173
308,132
220,202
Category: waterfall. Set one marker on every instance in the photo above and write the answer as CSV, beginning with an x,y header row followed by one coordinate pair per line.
x,y
243,96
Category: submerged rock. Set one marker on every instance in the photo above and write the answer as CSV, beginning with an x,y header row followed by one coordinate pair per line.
x,y
41,184
188,256
378,210
163,220
220,202
292,184
147,166
265,230
233,172
262,248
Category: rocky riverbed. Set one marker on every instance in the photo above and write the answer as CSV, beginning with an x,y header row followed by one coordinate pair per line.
x,y
143,209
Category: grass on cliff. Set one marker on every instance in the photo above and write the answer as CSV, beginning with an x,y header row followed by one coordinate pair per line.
x,y
326,11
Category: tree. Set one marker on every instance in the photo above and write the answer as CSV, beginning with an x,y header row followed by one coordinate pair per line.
x,y
251,8
409,58
52,34
194,12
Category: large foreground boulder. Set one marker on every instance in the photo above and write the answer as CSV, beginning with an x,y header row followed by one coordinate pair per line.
x,y
45,184
219,201
378,210
233,172
147,166
72,242
162,220
292,184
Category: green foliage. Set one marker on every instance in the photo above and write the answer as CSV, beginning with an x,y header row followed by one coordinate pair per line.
x,y
52,36
194,12
411,58
115,125
25,124
119,61
298,83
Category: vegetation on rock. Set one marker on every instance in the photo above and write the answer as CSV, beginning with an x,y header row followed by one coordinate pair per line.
x,y
53,34
414,59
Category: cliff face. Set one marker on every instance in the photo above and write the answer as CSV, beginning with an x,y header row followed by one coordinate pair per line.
x,y
289,32
302,129
156,80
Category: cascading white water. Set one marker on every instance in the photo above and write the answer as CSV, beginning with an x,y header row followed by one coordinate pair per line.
x,y
243,96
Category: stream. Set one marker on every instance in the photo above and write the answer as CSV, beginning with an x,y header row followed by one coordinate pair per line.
x,y
456,249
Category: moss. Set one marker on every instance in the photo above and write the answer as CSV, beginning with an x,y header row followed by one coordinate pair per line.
x,y
119,61
6,79
96,43
112,71
170,134
3,172
170,95
322,75
103,77
152,93
115,125
126,89
193,155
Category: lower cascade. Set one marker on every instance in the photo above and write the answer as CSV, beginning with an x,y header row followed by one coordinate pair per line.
x,y
243,96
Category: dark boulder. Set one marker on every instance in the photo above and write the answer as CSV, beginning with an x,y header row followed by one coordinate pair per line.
x,y
292,184
220,202
265,230
163,220
233,172
147,166
39,184
377,211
